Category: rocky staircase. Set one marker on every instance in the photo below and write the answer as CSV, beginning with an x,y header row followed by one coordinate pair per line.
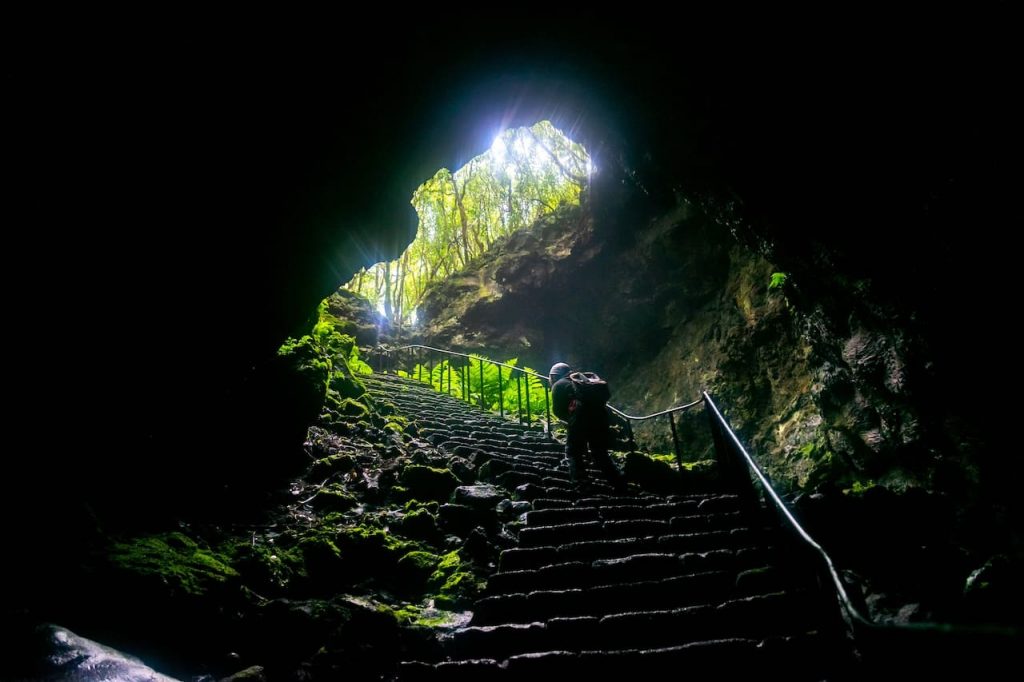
x,y
604,584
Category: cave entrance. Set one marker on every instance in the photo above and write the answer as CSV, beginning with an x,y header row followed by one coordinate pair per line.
x,y
527,173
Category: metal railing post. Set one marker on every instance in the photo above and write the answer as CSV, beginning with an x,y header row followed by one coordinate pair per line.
x,y
547,406
519,397
482,384
529,418
675,440
501,394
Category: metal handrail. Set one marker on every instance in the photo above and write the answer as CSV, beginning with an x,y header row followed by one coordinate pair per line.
x,y
844,598
481,359
671,410
629,418
857,619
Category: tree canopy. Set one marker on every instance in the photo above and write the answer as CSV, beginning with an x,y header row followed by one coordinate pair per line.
x,y
528,172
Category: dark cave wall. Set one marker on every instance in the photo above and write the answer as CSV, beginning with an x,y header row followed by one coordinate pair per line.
x,y
828,385
182,210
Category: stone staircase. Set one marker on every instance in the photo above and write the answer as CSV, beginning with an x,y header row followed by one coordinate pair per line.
x,y
604,584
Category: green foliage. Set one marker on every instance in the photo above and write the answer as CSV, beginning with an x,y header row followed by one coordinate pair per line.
x,y
778,280
356,365
528,173
467,385
860,487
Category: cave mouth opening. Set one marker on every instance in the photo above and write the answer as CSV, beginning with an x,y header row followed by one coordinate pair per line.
x,y
528,172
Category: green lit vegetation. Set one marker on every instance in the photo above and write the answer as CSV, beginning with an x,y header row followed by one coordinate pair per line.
x,y
466,384
778,280
527,173
328,365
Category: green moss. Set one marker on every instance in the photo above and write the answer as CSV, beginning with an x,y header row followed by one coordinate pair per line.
x,y
449,561
419,524
349,407
308,360
460,589
700,465
334,498
667,459
332,464
417,566
175,560
821,464
859,488
321,557
651,474
269,570
407,614
372,552
413,505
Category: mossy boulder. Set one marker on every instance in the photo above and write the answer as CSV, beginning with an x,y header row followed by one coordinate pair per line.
x,y
429,483
349,407
355,315
459,590
321,558
371,551
174,561
266,569
334,498
419,524
455,585
331,464
651,474
415,568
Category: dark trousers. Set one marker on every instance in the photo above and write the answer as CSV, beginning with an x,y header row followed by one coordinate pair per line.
x,y
589,429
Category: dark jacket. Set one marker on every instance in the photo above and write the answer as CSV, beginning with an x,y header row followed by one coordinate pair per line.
x,y
563,395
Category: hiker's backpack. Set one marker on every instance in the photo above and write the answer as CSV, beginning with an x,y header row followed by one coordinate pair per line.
x,y
590,388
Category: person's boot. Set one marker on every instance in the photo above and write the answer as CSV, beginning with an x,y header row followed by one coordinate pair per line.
x,y
577,475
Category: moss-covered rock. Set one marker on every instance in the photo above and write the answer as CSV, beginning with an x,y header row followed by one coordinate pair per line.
x,y
455,584
415,568
459,590
332,464
371,551
266,569
321,558
651,474
174,560
429,483
419,524
355,315
334,497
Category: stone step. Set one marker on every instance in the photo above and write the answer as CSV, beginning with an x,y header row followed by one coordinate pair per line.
x,y
728,658
750,617
679,591
802,657
590,530
519,558
568,574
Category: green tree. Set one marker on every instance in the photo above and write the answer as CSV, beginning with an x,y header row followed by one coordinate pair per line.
x,y
527,173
